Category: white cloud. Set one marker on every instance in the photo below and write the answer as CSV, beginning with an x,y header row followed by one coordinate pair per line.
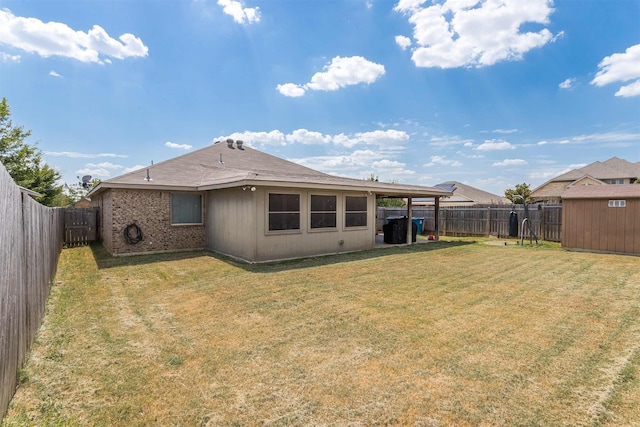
x,y
465,33
447,141
75,155
180,146
275,137
291,90
341,72
5,57
356,161
542,142
240,13
55,74
567,84
103,169
390,167
504,131
511,162
403,41
494,144
304,136
134,168
621,67
57,39
440,160
360,164
383,138
93,172
388,140
103,165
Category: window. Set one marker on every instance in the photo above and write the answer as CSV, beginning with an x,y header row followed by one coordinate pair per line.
x,y
284,211
323,211
617,203
186,208
355,211
615,181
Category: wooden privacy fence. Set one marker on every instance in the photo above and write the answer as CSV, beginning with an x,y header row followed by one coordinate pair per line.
x,y
30,244
461,221
80,226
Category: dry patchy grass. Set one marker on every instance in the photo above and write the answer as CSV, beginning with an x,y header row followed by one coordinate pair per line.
x,y
429,335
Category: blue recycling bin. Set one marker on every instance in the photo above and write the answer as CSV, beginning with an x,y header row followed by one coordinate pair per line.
x,y
419,222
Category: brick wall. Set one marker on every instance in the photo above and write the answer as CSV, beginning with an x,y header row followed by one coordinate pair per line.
x,y
151,211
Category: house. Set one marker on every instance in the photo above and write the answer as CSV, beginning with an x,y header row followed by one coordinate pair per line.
x,y
613,171
463,195
241,202
602,218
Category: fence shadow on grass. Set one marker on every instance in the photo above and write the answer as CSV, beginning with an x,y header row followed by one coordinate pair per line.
x,y
104,260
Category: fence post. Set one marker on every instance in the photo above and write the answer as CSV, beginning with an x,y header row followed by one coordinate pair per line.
x,y
436,217
488,223
543,220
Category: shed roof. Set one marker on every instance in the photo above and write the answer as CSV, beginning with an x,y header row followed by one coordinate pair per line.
x,y
220,166
603,191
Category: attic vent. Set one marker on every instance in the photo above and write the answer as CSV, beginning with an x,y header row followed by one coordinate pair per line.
x,y
239,144
230,143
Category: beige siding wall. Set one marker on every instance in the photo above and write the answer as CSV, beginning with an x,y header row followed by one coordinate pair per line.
x,y
151,211
231,222
237,225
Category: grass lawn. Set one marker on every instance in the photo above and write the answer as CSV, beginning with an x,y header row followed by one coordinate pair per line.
x,y
449,333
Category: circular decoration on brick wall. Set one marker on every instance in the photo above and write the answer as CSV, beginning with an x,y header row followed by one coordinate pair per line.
x,y
133,234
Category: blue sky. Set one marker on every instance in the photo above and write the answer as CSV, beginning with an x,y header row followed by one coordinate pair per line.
x,y
490,93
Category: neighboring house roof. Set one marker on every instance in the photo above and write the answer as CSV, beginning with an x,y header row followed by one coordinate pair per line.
x,y
602,191
33,194
466,194
614,168
220,166
586,180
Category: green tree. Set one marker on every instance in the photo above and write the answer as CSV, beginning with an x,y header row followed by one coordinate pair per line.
x,y
24,162
387,202
522,190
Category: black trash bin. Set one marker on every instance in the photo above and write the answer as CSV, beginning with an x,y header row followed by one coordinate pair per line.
x,y
395,231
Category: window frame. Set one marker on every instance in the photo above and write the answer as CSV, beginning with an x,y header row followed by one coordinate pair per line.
x,y
617,203
179,224
268,210
345,225
313,229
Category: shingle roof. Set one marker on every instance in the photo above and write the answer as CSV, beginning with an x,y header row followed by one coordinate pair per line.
x,y
610,169
218,166
602,191
465,192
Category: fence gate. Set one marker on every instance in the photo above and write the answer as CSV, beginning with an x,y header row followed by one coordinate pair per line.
x,y
80,226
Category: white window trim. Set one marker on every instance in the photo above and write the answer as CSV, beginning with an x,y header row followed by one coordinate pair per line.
x,y
617,203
